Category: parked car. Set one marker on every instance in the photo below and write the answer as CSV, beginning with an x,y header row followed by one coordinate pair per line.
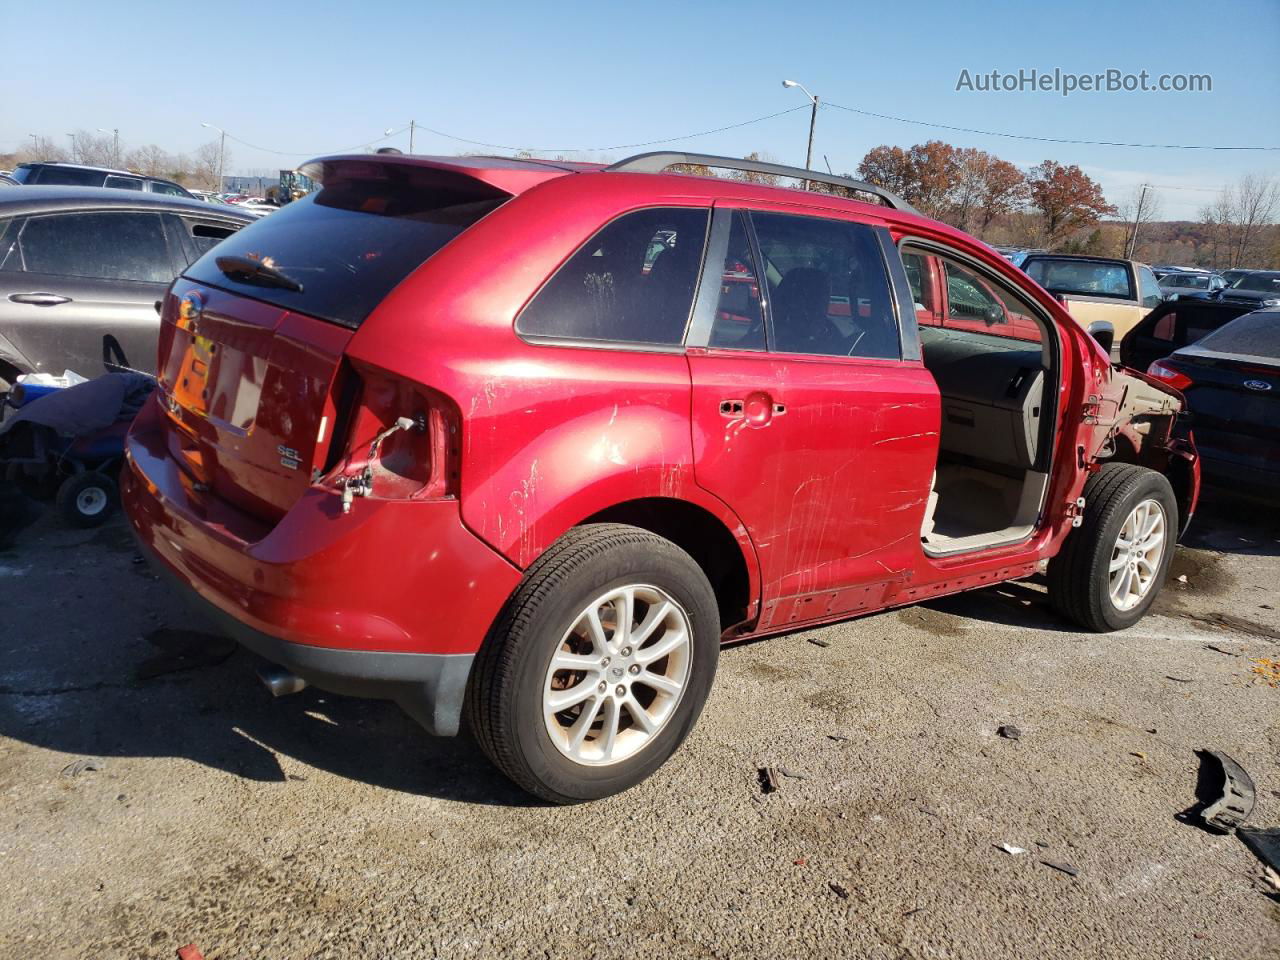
x,y
1256,289
1098,289
1231,276
1190,282
257,206
1174,324
1231,382
477,432
81,271
50,173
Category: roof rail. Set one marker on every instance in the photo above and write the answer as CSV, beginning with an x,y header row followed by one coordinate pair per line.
x,y
660,160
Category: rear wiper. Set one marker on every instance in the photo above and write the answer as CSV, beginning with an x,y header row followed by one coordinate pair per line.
x,y
249,270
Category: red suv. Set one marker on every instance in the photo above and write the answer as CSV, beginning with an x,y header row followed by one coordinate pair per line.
x,y
529,441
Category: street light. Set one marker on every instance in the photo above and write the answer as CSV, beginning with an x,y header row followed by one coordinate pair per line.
x,y
73,146
115,148
222,150
813,120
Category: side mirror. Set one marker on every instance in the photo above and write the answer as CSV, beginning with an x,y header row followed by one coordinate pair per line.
x,y
1104,333
994,314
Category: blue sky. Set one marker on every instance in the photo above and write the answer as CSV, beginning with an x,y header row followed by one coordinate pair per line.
x,y
309,78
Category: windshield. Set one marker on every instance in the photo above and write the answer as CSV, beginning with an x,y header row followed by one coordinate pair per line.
x,y
337,253
1087,277
1192,281
1261,282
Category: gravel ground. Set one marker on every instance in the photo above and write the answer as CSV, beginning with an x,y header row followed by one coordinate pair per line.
x,y
318,826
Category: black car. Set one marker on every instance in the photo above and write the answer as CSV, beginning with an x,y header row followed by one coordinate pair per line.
x,y
1174,324
48,174
1255,290
1231,381
82,268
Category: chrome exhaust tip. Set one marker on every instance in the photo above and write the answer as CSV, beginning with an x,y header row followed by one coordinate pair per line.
x,y
279,681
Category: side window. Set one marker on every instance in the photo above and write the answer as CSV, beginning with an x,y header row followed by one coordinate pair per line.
x,y
203,236
10,258
828,289
168,189
974,304
1163,328
918,277
105,246
632,282
739,322
1149,288
123,183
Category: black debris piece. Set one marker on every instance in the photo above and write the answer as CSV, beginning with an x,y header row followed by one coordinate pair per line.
x,y
839,890
818,642
1236,799
1264,842
768,779
1009,731
1066,868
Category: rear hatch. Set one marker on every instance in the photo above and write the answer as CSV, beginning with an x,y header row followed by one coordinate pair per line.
x,y
1234,390
253,334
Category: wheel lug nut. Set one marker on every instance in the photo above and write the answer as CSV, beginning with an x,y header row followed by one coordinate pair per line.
x,y
626,651
635,668
603,686
621,691
604,662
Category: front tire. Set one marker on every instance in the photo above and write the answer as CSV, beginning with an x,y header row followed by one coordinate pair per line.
x,y
1112,567
87,499
598,667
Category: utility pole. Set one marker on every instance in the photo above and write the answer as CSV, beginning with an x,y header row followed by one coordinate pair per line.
x,y
1137,221
73,146
115,145
222,156
813,122
412,124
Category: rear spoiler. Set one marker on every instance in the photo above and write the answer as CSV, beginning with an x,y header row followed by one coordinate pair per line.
x,y
507,175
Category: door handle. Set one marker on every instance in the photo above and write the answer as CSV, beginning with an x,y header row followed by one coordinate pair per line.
x,y
39,299
758,408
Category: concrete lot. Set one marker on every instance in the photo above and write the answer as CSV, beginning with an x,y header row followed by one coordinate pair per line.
x,y
316,826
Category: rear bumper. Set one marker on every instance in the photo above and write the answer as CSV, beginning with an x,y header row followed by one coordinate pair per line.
x,y
391,600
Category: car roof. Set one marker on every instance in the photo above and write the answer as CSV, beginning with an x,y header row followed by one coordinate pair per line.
x,y
90,166
23,201
515,175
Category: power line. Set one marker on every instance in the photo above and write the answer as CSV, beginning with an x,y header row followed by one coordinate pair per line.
x,y
315,153
615,146
1021,136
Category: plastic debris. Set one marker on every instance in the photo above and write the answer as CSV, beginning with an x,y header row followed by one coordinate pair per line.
x,y
190,952
1009,731
818,642
1265,844
84,764
1010,849
839,890
768,779
1238,796
1066,868
793,773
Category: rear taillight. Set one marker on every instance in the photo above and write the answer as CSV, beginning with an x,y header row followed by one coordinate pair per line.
x,y
400,440
1174,378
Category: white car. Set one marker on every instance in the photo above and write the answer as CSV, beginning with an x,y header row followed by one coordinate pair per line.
x,y
257,206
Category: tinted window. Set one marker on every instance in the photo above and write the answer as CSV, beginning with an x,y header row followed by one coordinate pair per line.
x,y
351,243
169,189
828,289
1149,287
1084,277
124,183
206,236
68,176
1255,334
739,322
632,282
22,173
1261,282
106,246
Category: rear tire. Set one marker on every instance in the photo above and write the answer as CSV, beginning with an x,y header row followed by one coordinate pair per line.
x,y
87,499
632,696
1113,566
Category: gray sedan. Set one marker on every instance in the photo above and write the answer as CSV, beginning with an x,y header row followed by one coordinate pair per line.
x,y
81,269
1186,282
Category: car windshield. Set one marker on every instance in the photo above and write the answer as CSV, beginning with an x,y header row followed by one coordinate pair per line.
x,y
1087,277
1268,282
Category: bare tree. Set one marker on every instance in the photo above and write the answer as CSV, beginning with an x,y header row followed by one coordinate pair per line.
x,y
1141,208
1239,216
207,165
150,160
41,149
96,150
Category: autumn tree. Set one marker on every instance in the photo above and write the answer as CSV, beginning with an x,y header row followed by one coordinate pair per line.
x,y
750,176
1068,200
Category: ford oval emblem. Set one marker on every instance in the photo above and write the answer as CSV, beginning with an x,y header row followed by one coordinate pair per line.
x,y
1257,385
